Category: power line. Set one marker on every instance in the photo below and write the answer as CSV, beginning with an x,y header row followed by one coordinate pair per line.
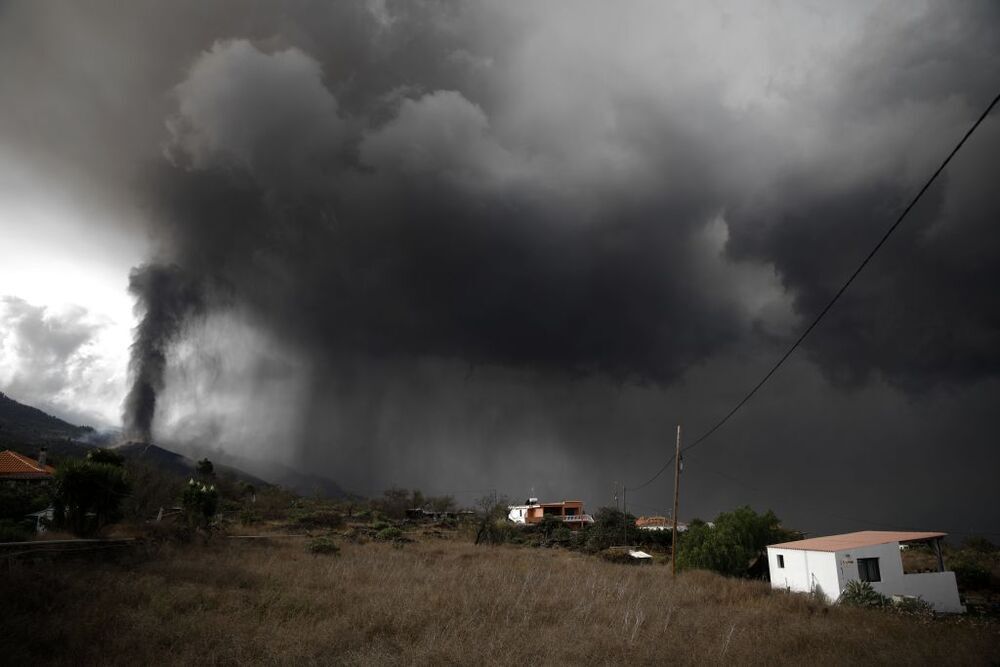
x,y
836,297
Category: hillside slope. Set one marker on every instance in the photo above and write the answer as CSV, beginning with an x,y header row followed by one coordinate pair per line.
x,y
18,420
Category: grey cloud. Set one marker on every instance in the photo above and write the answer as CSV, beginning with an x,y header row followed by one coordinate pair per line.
x,y
478,226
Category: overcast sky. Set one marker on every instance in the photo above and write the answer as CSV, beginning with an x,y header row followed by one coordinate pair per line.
x,y
467,246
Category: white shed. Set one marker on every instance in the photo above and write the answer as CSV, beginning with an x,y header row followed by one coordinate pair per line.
x,y
826,564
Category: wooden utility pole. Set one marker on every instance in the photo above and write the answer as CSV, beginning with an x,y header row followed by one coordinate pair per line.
x,y
624,514
677,497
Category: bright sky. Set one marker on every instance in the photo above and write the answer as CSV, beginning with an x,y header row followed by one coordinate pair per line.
x,y
70,278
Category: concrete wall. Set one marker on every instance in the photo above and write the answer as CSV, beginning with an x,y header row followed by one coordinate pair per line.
x,y
889,562
805,571
939,589
829,573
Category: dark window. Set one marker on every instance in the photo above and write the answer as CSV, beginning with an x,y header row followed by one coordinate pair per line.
x,y
868,569
570,511
781,561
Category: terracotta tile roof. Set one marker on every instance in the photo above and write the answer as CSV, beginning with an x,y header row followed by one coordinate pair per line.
x,y
18,466
863,538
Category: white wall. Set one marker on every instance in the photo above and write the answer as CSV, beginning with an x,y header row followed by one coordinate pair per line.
x,y
829,573
939,589
805,571
890,565
518,513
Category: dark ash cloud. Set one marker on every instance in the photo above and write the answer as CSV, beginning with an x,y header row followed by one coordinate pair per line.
x,y
166,299
477,231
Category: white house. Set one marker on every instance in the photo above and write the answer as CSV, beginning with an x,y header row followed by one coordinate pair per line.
x,y
826,564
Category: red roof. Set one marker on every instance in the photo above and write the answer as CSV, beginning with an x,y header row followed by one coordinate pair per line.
x,y
18,466
863,538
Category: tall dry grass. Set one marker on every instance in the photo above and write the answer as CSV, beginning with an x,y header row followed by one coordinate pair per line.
x,y
440,602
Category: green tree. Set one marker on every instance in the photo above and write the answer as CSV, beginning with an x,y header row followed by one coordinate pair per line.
x,y
18,500
494,528
609,529
441,503
733,544
200,502
205,469
396,501
88,495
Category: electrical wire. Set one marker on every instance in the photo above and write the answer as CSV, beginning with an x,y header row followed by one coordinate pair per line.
x,y
798,341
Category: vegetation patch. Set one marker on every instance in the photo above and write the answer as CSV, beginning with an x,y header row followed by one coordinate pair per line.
x,y
323,545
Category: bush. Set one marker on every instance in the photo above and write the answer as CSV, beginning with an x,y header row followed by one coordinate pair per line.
x,y
319,519
389,534
979,545
910,606
496,531
248,517
322,545
18,501
861,594
970,575
14,531
355,536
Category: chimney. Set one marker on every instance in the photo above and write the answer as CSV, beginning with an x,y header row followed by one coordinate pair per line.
x,y
42,453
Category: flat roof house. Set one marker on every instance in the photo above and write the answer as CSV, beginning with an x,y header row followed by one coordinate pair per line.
x,y
827,564
569,511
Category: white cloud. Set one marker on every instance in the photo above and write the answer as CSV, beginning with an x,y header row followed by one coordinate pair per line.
x,y
66,360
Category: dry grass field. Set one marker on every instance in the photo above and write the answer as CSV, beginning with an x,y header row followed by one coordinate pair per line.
x,y
437,601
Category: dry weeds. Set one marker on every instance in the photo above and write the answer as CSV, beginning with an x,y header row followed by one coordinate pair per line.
x,y
438,602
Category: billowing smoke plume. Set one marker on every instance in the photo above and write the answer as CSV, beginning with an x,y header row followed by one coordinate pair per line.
x,y
165,299
548,230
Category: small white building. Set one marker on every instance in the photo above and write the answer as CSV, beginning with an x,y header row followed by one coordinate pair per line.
x,y
826,564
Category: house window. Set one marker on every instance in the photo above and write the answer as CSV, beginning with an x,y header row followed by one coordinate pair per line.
x,y
781,561
868,569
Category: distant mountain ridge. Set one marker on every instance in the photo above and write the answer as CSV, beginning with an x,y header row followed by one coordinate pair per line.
x,y
28,422
177,464
26,429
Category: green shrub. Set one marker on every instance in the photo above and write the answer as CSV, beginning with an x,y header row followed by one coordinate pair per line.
x,y
14,531
912,606
20,500
561,536
389,534
322,545
970,575
861,594
355,536
319,519
496,531
248,517
979,544
200,502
